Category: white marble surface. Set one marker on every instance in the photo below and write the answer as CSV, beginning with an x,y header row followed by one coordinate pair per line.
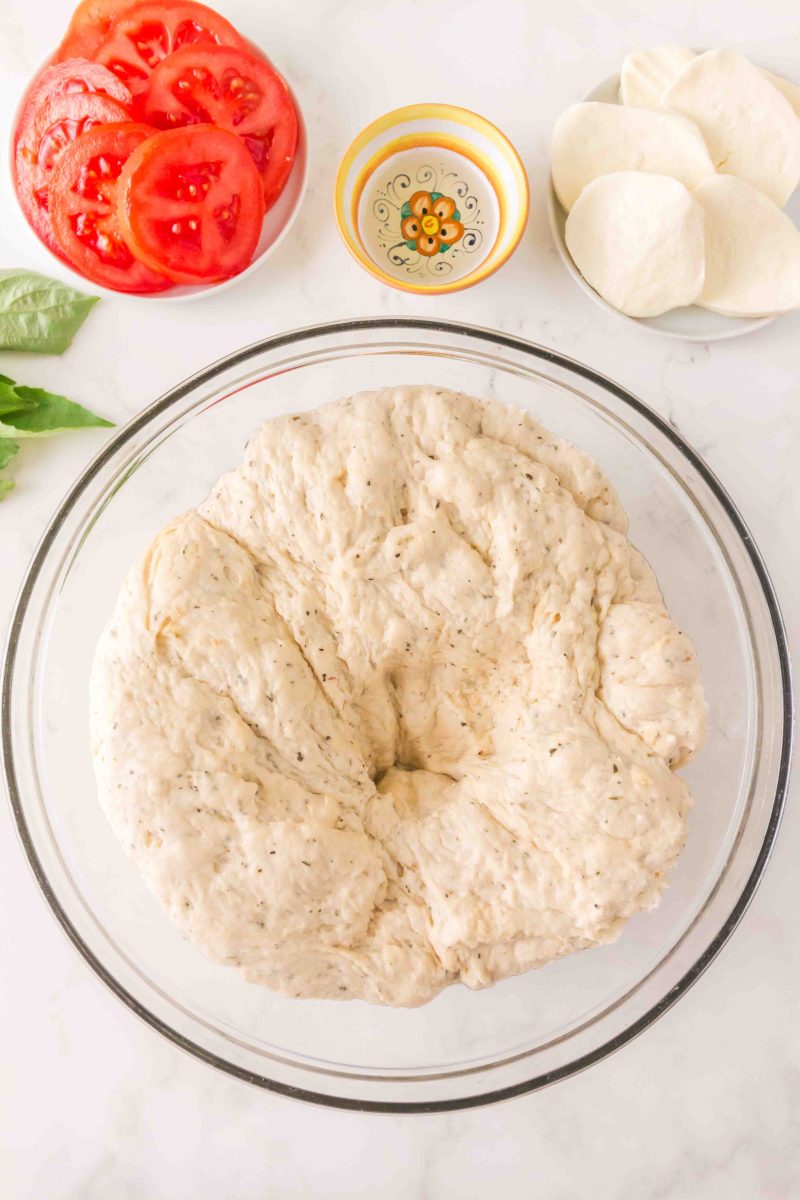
x,y
93,1105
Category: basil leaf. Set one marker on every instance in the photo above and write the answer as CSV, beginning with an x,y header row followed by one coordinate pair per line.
x,y
6,485
49,414
7,451
39,314
11,402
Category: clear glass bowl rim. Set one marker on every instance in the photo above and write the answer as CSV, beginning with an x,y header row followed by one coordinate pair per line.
x,y
497,339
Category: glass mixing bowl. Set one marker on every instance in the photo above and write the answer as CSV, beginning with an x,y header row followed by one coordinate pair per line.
x,y
465,1048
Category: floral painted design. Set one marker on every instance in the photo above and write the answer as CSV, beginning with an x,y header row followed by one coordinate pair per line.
x,y
430,223
453,206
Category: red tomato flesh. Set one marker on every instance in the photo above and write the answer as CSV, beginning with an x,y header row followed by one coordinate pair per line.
x,y
144,35
42,136
90,25
234,90
83,208
73,75
190,204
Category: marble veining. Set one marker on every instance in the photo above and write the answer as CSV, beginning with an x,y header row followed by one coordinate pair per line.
x,y
705,1104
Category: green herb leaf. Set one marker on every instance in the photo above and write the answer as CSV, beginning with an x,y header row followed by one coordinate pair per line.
x,y
6,486
11,402
49,414
39,314
7,451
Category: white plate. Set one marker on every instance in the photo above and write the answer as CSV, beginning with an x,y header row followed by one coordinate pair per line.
x,y
693,324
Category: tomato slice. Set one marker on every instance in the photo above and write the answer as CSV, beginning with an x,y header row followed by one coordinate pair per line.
x,y
83,208
222,86
89,25
142,36
190,204
73,75
42,136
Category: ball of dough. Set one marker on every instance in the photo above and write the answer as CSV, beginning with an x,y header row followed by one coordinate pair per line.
x,y
398,706
637,238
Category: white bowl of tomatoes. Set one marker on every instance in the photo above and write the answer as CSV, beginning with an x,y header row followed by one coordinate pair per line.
x,y
157,153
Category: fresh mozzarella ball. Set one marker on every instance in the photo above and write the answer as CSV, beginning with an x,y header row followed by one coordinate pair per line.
x,y
786,88
594,139
647,74
752,251
637,238
750,128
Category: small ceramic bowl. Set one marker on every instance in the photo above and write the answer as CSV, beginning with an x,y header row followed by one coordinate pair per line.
x,y
431,198
277,223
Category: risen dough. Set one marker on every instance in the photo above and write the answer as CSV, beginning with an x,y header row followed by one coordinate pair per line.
x,y
398,705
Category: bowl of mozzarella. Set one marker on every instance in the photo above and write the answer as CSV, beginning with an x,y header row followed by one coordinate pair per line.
x,y
674,196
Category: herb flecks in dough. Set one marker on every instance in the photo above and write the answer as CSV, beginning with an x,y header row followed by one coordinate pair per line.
x,y
398,705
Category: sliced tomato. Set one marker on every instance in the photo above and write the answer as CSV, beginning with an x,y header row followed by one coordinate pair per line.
x,y
190,204
74,75
90,25
41,138
222,86
142,36
83,208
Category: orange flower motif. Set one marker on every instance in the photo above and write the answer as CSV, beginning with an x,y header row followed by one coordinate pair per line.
x,y
431,223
